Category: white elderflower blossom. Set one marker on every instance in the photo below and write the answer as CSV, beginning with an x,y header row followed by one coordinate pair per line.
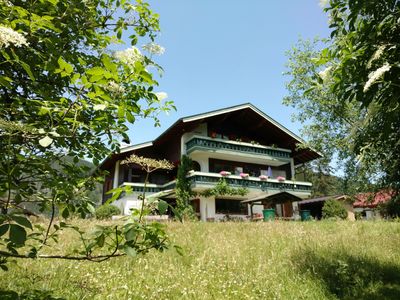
x,y
115,88
323,3
9,36
161,95
6,3
129,56
99,107
325,73
375,75
46,141
377,54
154,48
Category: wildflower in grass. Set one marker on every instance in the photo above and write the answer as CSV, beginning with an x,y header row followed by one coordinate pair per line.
x,y
9,37
154,48
375,76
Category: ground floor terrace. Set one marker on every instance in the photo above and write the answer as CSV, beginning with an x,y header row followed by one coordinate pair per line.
x,y
262,193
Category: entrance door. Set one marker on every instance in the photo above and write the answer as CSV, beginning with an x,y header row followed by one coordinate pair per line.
x,y
287,209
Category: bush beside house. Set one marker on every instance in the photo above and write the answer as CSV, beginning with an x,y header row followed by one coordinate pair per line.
x,y
107,211
334,209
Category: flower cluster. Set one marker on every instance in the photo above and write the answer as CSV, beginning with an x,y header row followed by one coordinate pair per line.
x,y
115,88
224,173
280,178
9,36
161,96
6,3
148,164
154,48
129,56
263,177
244,175
375,76
377,54
325,73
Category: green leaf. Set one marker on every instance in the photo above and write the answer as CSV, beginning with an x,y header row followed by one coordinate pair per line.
x,y
176,214
179,250
32,253
4,229
147,77
134,40
28,70
119,33
90,208
17,234
22,220
130,251
130,117
65,213
5,81
100,240
62,63
5,268
108,63
116,193
130,235
162,207
95,71
69,68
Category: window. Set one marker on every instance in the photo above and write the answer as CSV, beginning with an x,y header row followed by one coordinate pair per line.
x,y
229,206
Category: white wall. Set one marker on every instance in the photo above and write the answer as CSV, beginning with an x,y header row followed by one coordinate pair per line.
x,y
257,209
207,208
129,201
199,130
202,159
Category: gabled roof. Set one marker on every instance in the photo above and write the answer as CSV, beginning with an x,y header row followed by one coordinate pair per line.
x,y
247,113
240,107
136,147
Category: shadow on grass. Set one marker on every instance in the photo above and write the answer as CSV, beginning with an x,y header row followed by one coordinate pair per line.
x,y
30,295
350,277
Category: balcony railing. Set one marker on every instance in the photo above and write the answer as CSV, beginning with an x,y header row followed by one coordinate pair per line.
x,y
205,143
210,179
251,182
138,187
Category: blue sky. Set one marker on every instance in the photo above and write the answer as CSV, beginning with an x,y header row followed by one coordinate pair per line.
x,y
221,53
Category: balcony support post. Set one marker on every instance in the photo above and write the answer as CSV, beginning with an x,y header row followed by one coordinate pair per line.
x,y
292,169
116,175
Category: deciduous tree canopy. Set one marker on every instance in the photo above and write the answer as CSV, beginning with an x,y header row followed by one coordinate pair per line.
x,y
350,89
65,93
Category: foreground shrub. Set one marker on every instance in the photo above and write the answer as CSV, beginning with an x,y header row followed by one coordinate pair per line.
x,y
107,211
334,209
391,209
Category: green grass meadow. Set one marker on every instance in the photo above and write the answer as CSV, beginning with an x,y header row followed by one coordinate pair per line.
x,y
274,260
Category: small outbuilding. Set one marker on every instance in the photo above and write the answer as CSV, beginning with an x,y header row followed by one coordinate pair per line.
x,y
315,205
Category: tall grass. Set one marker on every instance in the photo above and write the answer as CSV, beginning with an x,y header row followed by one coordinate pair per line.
x,y
276,260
